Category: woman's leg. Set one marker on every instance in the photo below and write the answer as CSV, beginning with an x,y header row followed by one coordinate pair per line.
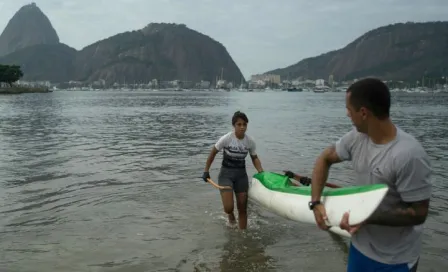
x,y
224,179
241,204
227,202
241,188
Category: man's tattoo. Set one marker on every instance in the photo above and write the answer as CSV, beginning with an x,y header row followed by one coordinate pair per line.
x,y
404,215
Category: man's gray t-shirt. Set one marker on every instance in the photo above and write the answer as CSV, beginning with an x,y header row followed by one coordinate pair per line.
x,y
405,167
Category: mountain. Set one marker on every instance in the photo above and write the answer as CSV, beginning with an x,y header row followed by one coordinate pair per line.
x,y
52,62
402,51
162,51
158,51
29,26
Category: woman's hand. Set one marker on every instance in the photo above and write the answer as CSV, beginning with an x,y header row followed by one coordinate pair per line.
x,y
206,176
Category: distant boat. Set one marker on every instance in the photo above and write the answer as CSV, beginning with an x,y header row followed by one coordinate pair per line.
x,y
294,89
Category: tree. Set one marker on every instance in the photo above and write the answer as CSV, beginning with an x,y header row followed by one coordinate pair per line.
x,y
10,74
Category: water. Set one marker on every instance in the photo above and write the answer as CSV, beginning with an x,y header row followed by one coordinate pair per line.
x,y
109,181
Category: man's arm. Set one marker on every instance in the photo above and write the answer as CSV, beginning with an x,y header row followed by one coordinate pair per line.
x,y
321,169
338,152
413,213
413,185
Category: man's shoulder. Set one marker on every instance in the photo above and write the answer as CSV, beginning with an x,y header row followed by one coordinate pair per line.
x,y
408,148
354,133
408,144
353,137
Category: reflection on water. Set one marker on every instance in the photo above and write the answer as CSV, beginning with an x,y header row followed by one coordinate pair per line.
x,y
109,181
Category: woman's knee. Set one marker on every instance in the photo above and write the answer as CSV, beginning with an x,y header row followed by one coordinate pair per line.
x,y
241,201
227,201
228,209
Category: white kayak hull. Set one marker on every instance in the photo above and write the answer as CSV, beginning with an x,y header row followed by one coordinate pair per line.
x,y
295,206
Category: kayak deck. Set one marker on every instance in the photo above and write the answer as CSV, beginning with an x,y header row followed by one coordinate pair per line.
x,y
281,183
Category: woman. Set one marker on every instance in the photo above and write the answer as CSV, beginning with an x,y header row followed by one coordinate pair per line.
x,y
236,145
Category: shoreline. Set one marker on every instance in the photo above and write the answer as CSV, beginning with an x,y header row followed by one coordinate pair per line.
x,y
21,90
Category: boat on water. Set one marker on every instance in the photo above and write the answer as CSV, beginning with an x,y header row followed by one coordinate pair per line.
x,y
294,89
277,194
320,89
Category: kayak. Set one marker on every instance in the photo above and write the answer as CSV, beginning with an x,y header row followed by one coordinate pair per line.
x,y
277,194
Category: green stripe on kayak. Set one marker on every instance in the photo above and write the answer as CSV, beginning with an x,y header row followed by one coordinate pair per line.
x,y
281,183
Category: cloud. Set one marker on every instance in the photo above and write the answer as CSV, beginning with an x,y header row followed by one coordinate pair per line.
x,y
260,35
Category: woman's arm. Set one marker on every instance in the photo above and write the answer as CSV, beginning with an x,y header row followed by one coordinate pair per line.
x,y
253,155
210,159
257,163
223,141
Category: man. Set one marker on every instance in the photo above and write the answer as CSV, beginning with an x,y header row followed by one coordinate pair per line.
x,y
380,152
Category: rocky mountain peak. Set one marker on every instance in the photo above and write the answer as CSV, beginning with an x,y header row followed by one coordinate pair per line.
x,y
153,28
29,26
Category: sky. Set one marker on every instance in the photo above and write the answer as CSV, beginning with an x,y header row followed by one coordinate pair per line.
x,y
260,35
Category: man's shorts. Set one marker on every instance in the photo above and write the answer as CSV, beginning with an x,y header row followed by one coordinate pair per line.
x,y
358,262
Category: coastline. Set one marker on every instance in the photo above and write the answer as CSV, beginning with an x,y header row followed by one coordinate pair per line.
x,y
21,90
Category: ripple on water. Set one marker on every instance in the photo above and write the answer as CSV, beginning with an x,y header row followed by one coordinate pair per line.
x,y
109,181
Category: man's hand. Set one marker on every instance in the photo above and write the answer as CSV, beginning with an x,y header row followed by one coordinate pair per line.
x,y
321,216
289,174
345,225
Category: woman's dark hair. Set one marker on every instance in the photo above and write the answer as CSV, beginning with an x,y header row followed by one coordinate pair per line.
x,y
239,115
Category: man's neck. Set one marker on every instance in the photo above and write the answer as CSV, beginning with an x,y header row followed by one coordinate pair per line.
x,y
382,131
